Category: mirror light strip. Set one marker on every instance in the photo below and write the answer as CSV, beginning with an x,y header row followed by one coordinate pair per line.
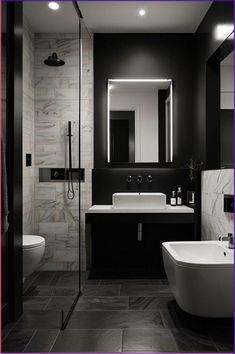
x,y
139,80
108,122
171,118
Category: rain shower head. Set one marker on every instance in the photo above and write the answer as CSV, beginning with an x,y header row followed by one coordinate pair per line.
x,y
53,60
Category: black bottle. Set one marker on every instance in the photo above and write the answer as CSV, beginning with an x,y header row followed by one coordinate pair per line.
x,y
173,199
179,196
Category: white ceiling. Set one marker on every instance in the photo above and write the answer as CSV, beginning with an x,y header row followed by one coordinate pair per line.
x,y
44,20
118,16
161,16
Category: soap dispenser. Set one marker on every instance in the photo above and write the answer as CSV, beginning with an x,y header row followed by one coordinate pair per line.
x,y
173,199
179,196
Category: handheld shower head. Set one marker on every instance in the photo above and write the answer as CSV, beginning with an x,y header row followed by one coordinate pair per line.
x,y
53,60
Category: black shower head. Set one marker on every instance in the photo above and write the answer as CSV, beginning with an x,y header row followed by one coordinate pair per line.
x,y
53,60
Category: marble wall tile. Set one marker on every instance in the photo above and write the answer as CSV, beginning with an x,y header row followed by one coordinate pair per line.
x,y
55,228
54,36
45,192
56,103
28,128
61,71
215,222
47,110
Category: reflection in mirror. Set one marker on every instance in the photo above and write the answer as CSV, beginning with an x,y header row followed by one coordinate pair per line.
x,y
139,120
226,110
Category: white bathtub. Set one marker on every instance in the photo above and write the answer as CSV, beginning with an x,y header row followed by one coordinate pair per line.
x,y
200,275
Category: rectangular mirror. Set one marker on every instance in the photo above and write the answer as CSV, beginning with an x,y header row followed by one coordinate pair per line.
x,y
226,110
140,121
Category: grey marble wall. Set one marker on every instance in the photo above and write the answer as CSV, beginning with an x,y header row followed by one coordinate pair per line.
x,y
56,103
28,127
215,222
86,135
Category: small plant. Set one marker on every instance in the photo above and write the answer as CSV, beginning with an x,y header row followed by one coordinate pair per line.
x,y
193,166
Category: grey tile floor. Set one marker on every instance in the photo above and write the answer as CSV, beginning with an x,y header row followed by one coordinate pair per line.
x,y
110,316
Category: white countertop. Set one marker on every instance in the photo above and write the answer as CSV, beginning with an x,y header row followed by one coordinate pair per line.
x,y
169,209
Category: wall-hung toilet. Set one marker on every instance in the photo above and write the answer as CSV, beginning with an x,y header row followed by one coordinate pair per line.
x,y
33,251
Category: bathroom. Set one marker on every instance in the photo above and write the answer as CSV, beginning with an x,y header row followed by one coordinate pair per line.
x,y
90,228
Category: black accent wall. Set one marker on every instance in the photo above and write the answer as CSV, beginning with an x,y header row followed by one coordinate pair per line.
x,y
105,182
182,58
145,56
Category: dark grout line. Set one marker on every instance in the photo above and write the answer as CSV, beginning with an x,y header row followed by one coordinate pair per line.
x,y
129,298
54,276
119,290
122,340
214,343
31,282
45,307
13,327
34,333
54,342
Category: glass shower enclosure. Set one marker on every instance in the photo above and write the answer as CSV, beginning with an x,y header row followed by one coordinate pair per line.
x,y
57,182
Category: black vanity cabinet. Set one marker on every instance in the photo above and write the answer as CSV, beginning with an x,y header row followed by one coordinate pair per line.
x,y
130,244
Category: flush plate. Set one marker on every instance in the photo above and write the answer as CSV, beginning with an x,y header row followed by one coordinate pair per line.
x,y
228,203
28,160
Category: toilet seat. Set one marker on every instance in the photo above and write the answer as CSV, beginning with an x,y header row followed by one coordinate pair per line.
x,y
31,241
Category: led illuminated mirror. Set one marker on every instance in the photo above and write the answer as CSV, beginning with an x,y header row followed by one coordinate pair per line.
x,y
140,121
226,110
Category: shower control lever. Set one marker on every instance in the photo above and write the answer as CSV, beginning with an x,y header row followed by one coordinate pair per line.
x,y
149,179
139,179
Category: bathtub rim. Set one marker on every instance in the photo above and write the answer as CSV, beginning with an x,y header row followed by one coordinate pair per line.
x,y
166,246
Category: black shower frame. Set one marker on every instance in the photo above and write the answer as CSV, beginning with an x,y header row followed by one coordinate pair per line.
x,y
64,321
14,116
14,66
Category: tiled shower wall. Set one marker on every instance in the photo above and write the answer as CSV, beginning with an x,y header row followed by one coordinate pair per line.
x,y
215,222
56,103
28,128
86,135
50,100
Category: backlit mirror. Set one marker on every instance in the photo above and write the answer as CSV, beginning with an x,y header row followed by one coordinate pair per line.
x,y
226,110
139,121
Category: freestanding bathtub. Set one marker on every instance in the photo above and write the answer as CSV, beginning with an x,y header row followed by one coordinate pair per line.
x,y
200,275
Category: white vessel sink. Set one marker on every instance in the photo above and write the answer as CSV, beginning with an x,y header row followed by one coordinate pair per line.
x,y
139,201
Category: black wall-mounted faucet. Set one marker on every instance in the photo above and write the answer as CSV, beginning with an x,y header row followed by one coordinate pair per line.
x,y
149,179
129,179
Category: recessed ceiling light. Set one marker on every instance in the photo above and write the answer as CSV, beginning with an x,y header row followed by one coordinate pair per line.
x,y
223,31
53,5
142,12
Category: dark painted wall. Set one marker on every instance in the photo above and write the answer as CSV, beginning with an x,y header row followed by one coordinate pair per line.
x,y
145,56
226,136
181,57
206,138
105,182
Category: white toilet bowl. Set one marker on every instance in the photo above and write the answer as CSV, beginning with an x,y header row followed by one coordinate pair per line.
x,y
33,251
